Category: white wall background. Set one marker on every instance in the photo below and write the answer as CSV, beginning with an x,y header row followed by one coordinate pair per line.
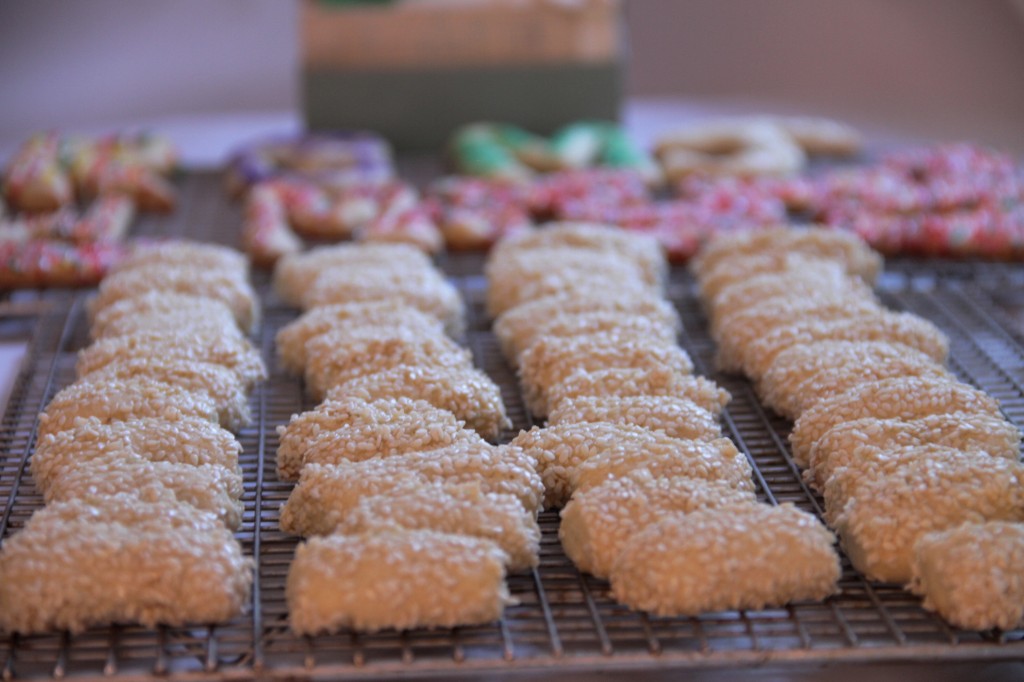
x,y
102,63
938,68
942,68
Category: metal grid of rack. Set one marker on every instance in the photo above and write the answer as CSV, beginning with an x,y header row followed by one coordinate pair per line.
x,y
564,620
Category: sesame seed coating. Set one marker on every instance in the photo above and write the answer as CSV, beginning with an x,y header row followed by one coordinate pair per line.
x,y
972,432
736,331
905,329
329,364
326,493
599,521
897,398
108,473
458,509
161,310
235,353
185,252
674,416
847,248
519,322
292,338
737,269
746,556
814,280
426,291
351,429
217,381
717,460
118,559
189,440
883,517
894,464
551,360
194,461
294,274
971,574
466,392
627,382
121,400
398,579
561,451
644,251
230,288
574,325
803,375
527,276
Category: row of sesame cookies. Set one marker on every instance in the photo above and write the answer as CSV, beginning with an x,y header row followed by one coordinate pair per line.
x,y
136,460
412,516
920,473
652,496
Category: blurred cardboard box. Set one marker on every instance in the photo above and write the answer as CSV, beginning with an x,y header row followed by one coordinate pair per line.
x,y
416,70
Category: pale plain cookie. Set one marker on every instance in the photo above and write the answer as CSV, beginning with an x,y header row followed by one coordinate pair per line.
x,y
743,147
466,392
904,329
885,516
122,400
643,250
675,417
716,460
329,365
457,509
351,429
599,521
747,556
862,438
801,376
971,574
899,398
637,382
551,360
823,136
295,273
235,353
397,579
231,289
122,317
217,381
291,339
185,441
326,494
83,563
846,248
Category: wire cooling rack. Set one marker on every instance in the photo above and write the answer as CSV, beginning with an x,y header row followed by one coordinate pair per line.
x,y
564,621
